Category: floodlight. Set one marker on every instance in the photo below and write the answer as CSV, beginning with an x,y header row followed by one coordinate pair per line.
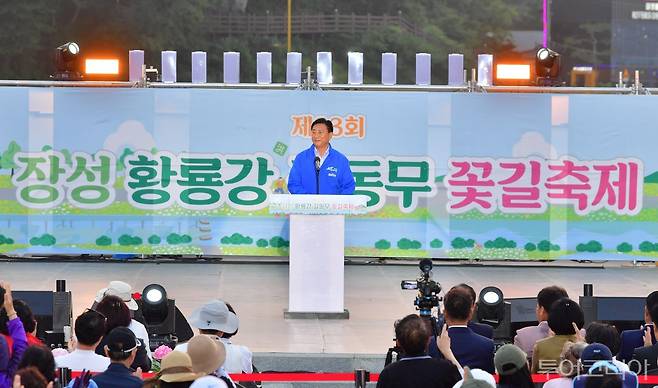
x,y
547,66
67,62
491,306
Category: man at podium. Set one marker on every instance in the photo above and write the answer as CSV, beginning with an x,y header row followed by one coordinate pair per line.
x,y
321,169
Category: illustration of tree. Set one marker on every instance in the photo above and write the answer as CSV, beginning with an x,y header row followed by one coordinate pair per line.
x,y
624,247
382,244
7,158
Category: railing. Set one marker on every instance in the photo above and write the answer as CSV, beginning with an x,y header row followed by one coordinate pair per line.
x,y
231,24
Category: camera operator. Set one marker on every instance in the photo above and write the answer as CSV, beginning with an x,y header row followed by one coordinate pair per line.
x,y
416,368
470,349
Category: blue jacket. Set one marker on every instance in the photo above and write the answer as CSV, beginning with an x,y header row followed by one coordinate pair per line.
x,y
335,174
117,376
470,349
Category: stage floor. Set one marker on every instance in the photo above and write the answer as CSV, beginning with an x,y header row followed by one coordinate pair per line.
x,y
259,293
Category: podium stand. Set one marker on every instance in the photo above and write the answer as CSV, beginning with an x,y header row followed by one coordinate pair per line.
x,y
317,241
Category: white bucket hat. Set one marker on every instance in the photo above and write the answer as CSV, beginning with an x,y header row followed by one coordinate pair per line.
x,y
214,315
121,289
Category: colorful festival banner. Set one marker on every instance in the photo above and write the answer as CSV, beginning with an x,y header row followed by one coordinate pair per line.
x,y
449,175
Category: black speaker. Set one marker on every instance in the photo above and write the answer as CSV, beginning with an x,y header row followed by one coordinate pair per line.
x,y
52,310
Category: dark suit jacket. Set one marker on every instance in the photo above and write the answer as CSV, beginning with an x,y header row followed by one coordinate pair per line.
x,y
117,376
481,328
470,349
629,340
647,356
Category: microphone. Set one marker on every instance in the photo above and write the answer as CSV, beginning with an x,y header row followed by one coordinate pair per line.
x,y
317,163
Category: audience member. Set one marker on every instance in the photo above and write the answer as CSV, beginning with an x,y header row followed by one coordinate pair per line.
x,y
512,367
569,365
470,349
41,358
118,315
479,328
208,356
89,330
29,323
16,339
30,377
177,371
476,378
208,382
473,379
416,368
216,319
605,375
124,291
527,337
120,345
565,319
607,335
631,339
647,356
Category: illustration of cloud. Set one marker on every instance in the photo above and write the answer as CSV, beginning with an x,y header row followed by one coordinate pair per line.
x,y
130,134
534,144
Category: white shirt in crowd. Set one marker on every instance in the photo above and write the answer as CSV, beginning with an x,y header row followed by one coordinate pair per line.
x,y
140,332
78,360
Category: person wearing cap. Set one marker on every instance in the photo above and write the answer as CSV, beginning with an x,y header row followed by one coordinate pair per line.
x,y
121,347
565,319
416,368
512,367
526,337
89,330
208,355
117,314
607,335
124,291
216,319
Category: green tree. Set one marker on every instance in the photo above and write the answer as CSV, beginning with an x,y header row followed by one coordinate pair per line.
x,y
7,158
530,247
261,243
154,239
103,241
383,244
436,243
624,247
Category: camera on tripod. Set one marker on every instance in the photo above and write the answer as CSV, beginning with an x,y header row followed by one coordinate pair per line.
x,y
428,290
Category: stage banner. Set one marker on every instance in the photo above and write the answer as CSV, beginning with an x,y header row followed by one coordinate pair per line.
x,y
447,175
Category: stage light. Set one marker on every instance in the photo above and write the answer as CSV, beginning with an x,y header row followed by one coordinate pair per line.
x,y
154,309
547,66
491,306
513,72
67,62
102,66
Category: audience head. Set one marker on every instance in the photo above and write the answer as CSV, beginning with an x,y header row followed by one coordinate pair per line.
x,y
412,334
121,289
469,289
606,376
476,378
593,353
229,335
545,299
512,366
116,312
570,358
41,358
208,382
30,377
654,315
605,334
563,314
25,314
121,345
457,305
214,318
650,301
176,367
207,354
89,327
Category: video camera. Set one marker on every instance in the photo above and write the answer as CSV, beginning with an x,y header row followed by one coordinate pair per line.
x,y
428,290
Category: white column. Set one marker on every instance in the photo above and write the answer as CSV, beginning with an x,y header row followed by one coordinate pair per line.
x,y
168,67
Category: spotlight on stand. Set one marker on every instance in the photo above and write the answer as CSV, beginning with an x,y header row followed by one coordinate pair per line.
x,y
67,62
159,314
491,306
547,67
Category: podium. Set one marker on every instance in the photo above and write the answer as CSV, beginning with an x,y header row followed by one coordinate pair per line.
x,y
317,240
